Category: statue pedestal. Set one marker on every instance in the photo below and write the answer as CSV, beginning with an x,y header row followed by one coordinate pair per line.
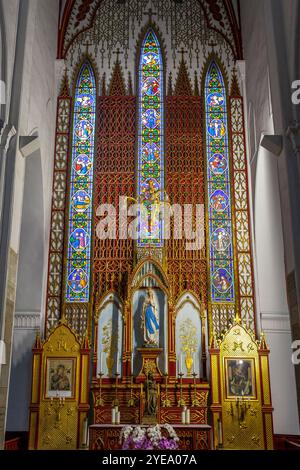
x,y
149,362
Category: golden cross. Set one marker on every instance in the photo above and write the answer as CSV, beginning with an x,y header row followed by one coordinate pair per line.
x,y
182,52
118,52
87,45
150,13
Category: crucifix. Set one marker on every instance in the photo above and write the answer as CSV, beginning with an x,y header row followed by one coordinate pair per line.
x,y
87,45
118,52
182,52
150,13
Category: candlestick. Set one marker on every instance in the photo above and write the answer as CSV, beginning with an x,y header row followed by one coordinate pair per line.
x,y
101,357
195,401
131,401
99,401
166,402
117,365
116,401
181,401
84,433
220,434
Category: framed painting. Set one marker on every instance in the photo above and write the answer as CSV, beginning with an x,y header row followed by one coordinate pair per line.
x,y
60,377
240,377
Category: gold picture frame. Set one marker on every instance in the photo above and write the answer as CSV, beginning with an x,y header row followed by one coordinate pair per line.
x,y
240,377
60,377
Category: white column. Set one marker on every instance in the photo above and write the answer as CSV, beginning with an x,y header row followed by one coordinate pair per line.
x,y
272,292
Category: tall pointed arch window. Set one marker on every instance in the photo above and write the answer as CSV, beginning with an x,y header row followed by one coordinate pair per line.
x,y
81,188
150,184
219,190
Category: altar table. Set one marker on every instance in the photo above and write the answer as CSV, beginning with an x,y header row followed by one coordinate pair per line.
x,y
191,437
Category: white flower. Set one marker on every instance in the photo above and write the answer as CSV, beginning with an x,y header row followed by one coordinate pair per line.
x,y
138,434
154,434
125,433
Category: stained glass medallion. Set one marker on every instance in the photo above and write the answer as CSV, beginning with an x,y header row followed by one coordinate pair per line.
x,y
81,187
150,145
219,191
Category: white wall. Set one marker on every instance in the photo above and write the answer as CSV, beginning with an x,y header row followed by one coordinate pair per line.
x,y
37,117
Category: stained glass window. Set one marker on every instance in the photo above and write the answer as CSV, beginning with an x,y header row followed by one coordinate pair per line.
x,y
81,188
219,196
150,148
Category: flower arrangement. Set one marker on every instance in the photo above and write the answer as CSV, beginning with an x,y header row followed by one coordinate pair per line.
x,y
157,437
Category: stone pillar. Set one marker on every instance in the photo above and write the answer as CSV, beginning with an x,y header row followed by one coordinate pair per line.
x,y
270,262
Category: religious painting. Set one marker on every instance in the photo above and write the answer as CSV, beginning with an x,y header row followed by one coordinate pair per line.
x,y
219,201
82,165
219,187
151,118
60,377
216,129
81,187
150,86
81,201
79,239
222,280
240,378
83,130
150,161
215,99
150,152
220,239
217,164
77,280
85,101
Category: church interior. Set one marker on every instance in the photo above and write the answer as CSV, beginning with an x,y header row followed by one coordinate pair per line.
x,y
149,224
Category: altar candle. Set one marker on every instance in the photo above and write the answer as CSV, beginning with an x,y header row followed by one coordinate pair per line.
x,y
101,354
187,416
183,414
220,434
118,417
84,432
113,416
194,362
118,359
180,371
132,356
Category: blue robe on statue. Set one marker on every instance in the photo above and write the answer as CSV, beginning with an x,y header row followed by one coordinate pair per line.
x,y
150,319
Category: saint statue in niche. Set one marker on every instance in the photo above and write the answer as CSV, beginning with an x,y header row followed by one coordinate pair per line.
x,y
150,320
151,395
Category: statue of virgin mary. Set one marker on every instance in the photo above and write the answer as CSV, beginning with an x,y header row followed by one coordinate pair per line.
x,y
150,320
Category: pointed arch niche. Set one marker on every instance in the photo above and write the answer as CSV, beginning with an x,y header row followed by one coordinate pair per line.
x,y
188,335
149,275
81,188
150,168
109,349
